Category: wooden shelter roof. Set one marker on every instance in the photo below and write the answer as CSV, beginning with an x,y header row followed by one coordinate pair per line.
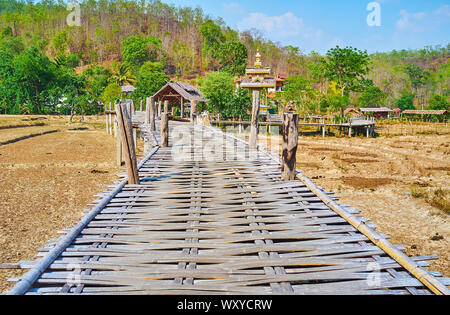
x,y
180,89
425,112
376,110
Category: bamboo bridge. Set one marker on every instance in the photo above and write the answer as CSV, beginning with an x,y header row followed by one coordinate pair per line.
x,y
213,216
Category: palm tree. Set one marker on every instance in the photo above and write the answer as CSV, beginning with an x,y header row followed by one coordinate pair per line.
x,y
122,76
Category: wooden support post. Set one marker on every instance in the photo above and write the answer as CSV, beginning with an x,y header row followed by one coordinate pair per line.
x,y
110,120
118,145
193,111
367,131
164,130
140,105
159,107
107,120
290,145
255,119
166,107
147,111
135,137
151,113
115,128
126,132
323,128
182,108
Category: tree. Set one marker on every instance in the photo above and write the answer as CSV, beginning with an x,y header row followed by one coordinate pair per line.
x,y
96,81
212,37
112,93
373,96
232,58
406,102
416,75
34,76
300,91
438,102
335,103
137,50
122,75
216,81
183,56
347,67
151,79
240,104
219,88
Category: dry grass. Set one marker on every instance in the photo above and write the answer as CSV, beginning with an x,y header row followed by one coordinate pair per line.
x,y
384,189
366,183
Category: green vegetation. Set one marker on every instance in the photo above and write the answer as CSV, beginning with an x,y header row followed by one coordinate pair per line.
x,y
49,67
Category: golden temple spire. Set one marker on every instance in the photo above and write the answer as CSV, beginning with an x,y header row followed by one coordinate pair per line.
x,y
258,63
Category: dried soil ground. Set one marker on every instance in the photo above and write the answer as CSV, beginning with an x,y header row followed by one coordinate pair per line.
x,y
47,181
376,176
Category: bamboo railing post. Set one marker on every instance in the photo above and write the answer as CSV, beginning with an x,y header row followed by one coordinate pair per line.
x,y
126,131
255,117
118,145
107,119
159,107
165,130
166,107
110,119
147,111
150,113
193,111
290,145
182,108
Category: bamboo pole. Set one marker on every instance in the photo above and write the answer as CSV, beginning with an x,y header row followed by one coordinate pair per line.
x,y
193,111
182,108
126,131
118,145
166,107
107,119
150,113
110,120
255,119
290,145
164,130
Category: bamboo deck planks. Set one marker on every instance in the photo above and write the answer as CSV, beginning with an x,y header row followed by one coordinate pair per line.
x,y
199,227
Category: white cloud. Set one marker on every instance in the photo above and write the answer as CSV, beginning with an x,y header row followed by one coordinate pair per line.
x,y
443,11
285,26
421,21
233,8
411,21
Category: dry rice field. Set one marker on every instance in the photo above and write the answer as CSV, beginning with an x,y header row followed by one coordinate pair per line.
x,y
46,181
401,183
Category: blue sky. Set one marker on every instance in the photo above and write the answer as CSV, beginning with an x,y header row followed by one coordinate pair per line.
x,y
323,24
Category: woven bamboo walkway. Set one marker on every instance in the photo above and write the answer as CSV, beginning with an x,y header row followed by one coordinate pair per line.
x,y
227,225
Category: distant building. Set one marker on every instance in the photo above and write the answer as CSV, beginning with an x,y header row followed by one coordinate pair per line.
x,y
128,89
180,93
377,112
352,112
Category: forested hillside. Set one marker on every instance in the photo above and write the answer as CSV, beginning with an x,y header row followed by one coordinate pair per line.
x,y
145,43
